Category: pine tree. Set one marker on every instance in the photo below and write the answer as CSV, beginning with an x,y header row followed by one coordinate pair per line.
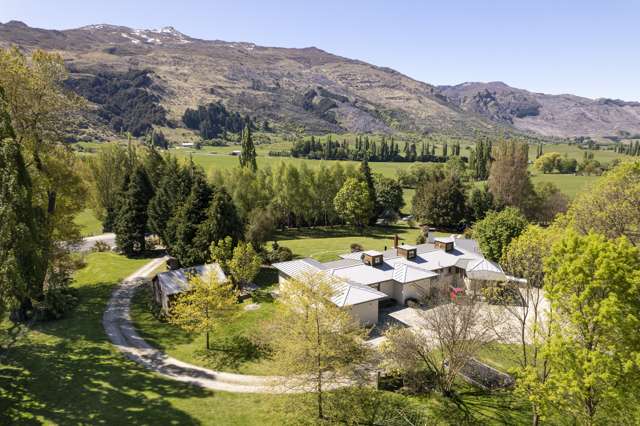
x,y
248,150
131,220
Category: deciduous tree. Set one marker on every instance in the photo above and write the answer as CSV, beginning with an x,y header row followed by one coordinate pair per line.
x,y
316,344
497,229
353,203
206,305
593,285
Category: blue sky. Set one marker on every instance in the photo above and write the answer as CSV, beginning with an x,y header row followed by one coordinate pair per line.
x,y
589,48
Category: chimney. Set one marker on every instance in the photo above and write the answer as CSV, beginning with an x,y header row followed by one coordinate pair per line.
x,y
395,241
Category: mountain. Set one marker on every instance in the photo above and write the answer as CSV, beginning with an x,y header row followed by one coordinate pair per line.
x,y
306,87
549,115
136,78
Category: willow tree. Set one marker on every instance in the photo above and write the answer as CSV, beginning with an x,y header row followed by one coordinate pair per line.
x,y
40,111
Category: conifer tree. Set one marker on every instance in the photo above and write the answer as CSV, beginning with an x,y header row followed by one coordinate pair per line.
x,y
186,220
131,221
222,221
248,150
367,177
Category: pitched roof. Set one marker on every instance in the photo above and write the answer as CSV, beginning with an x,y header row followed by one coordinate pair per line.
x,y
404,273
484,269
295,268
349,294
173,282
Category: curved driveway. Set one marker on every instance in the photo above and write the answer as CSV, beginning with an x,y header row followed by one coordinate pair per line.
x,y
122,333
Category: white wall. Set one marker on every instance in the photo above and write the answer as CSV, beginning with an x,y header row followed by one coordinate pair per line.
x,y
366,313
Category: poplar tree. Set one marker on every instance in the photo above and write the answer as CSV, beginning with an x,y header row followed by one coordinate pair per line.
x,y
248,150
367,178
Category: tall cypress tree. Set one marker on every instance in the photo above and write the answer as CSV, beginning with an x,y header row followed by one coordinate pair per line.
x,y
248,150
21,238
131,220
367,177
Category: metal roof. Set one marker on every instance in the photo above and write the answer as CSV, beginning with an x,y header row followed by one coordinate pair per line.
x,y
173,282
404,273
484,269
349,294
295,268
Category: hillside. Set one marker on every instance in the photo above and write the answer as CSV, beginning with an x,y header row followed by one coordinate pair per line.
x,y
549,115
306,87
138,78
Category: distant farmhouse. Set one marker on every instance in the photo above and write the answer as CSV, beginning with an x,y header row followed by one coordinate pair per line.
x,y
365,281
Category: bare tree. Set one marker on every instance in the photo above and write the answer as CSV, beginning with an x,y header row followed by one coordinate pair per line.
x,y
527,308
442,343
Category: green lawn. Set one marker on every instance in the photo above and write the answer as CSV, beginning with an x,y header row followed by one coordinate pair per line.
x,y
89,223
67,372
232,345
326,243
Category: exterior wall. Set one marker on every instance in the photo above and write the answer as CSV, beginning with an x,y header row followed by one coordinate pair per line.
x,y
365,313
417,290
387,287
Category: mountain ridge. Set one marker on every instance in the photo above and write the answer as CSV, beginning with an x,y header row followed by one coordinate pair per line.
x,y
313,90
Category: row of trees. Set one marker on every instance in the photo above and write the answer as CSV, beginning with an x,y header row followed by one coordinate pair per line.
x,y
297,196
40,188
362,147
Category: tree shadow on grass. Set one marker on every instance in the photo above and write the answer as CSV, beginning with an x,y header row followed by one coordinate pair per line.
x,y
68,372
232,352
77,383
478,407
375,232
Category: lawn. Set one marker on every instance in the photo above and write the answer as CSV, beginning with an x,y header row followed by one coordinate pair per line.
x,y
233,347
326,243
89,223
67,372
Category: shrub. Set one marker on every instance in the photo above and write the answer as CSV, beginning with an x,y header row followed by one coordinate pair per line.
x,y
355,247
57,303
101,246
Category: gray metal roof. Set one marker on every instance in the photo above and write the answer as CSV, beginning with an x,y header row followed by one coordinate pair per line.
x,y
299,267
173,282
349,294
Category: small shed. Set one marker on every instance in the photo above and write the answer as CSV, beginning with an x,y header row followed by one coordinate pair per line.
x,y
166,285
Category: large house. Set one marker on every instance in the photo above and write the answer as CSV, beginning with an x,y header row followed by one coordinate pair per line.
x,y
366,280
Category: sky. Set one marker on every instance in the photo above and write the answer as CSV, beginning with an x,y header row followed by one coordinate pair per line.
x,y
588,48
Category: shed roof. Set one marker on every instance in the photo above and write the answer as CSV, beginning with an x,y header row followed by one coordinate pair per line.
x,y
173,282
